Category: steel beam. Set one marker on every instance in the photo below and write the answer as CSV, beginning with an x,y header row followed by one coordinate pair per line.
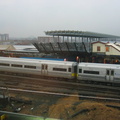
x,y
44,47
59,47
75,46
36,45
52,47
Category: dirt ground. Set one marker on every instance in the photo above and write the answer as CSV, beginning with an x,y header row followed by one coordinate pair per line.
x,y
67,108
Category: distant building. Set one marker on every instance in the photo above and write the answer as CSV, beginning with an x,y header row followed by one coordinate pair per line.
x,y
106,48
48,39
6,47
19,51
4,37
27,48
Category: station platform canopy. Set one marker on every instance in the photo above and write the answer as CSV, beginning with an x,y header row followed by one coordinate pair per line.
x,y
71,43
73,33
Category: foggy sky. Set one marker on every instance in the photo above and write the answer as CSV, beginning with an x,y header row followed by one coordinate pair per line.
x,y
25,18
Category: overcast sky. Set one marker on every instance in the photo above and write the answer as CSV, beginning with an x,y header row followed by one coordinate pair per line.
x,y
25,18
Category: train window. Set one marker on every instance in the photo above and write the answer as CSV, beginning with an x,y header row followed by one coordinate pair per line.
x,y
16,65
59,69
29,66
112,72
4,64
46,66
80,70
75,69
42,66
107,72
69,69
91,72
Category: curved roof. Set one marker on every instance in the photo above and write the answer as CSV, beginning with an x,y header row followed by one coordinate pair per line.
x,y
79,34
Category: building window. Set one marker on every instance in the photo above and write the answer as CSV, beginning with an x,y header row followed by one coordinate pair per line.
x,y
98,48
107,49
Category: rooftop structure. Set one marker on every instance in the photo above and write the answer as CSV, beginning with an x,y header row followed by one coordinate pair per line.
x,y
6,47
80,34
72,43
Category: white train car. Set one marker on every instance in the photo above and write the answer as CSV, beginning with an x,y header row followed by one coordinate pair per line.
x,y
62,69
109,73
51,68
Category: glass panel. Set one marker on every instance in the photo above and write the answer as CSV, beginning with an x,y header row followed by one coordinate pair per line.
x,y
98,48
107,72
112,72
80,70
29,66
69,69
59,69
91,72
4,64
15,65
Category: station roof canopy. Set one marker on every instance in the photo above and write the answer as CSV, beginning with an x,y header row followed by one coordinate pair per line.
x,y
73,33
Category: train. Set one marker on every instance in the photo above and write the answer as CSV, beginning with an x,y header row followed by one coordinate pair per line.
x,y
96,72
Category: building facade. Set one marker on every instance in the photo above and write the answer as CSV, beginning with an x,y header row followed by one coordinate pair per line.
x,y
106,48
4,37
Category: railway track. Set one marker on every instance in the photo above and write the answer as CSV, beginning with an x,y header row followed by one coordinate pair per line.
x,y
26,83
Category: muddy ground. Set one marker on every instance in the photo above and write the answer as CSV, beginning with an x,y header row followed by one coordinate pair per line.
x,y
63,107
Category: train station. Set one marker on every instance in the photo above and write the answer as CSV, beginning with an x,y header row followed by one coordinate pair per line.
x,y
60,60
33,87
76,45
81,46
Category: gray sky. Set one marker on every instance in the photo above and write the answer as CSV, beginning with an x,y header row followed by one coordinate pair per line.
x,y
25,18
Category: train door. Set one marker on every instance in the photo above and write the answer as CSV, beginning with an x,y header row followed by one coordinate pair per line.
x,y
109,75
44,69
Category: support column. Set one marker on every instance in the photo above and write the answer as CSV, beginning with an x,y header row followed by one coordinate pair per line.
x,y
79,39
75,39
63,38
82,39
71,39
87,39
67,38
53,37
58,38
